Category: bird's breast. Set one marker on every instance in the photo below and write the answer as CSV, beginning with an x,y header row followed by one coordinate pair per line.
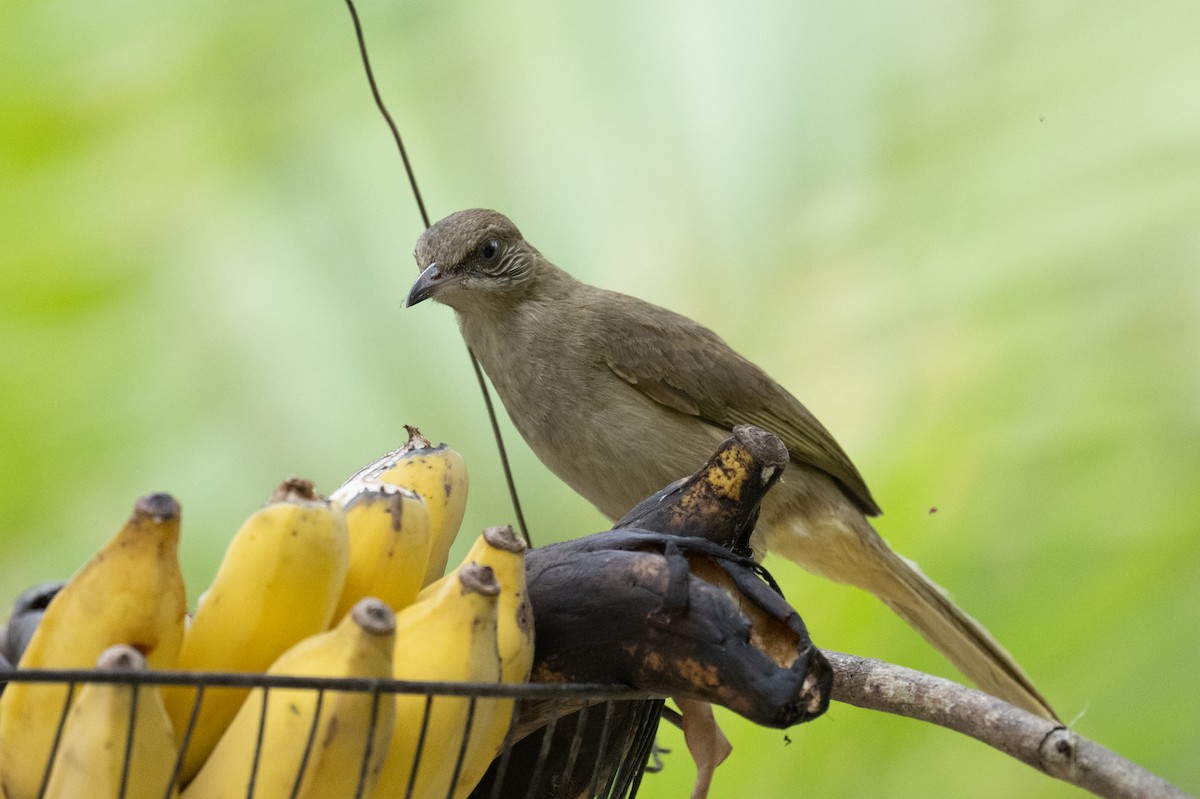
x,y
600,435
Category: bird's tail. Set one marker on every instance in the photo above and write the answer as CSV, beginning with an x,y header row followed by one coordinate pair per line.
x,y
868,562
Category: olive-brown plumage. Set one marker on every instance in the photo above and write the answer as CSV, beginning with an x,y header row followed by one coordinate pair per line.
x,y
583,371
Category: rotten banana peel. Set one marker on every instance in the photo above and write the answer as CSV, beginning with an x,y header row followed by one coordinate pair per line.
x,y
713,632
677,617
438,475
720,501
681,617
130,592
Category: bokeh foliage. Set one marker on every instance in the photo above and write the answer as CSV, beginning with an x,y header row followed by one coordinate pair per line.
x,y
965,234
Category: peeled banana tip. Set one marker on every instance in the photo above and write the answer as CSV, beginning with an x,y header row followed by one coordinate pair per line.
x,y
161,507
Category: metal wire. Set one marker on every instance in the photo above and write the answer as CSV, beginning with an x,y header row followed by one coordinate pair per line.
x,y
412,182
262,725
462,747
62,722
312,736
547,740
368,747
576,743
412,775
128,757
618,753
233,679
506,754
605,729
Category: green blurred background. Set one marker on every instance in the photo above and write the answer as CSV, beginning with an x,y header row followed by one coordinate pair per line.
x,y
966,235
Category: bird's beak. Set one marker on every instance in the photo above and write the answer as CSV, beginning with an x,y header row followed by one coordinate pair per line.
x,y
431,281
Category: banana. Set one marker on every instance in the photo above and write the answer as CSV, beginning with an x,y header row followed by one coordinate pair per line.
x,y
504,551
501,549
130,592
439,475
360,646
720,501
91,758
389,543
278,584
449,635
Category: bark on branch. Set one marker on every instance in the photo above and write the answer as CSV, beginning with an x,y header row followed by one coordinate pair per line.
x,y
1046,746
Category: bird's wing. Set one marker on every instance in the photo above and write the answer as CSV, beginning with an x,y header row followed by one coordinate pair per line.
x,y
688,368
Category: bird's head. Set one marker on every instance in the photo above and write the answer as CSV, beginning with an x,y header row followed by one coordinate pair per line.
x,y
472,258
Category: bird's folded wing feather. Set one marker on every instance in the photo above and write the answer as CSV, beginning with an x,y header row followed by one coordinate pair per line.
x,y
688,368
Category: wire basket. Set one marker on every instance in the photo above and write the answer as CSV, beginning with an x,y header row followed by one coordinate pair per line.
x,y
565,740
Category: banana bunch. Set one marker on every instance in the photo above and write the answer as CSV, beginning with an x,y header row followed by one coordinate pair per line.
x,y
130,592
350,586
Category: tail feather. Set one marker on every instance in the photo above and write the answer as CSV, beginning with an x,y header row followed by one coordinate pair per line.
x,y
963,640
863,559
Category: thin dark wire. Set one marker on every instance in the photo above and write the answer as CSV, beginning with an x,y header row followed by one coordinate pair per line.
x,y
362,50
369,748
416,764
127,758
576,743
506,753
462,749
58,731
601,747
308,745
412,181
636,759
183,745
544,752
508,477
258,744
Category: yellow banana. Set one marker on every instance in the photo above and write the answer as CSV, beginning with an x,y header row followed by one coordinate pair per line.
x,y
91,757
360,646
389,543
439,475
450,635
504,551
501,549
278,584
130,592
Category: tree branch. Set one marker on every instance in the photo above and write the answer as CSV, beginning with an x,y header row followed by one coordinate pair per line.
x,y
1046,746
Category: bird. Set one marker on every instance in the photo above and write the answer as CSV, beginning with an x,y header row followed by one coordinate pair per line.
x,y
583,371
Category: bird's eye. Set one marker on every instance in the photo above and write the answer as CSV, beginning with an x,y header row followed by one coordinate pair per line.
x,y
489,249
